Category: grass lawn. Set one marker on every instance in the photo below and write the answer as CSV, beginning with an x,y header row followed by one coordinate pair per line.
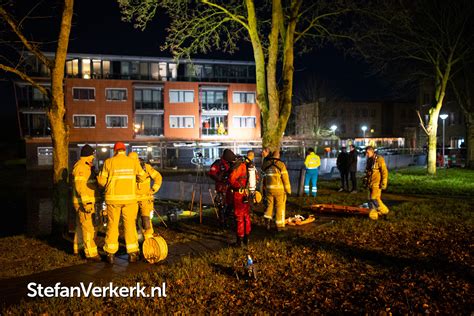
x,y
26,255
418,260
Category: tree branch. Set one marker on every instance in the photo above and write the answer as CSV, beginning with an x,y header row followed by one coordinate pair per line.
x,y
27,78
421,123
224,10
32,48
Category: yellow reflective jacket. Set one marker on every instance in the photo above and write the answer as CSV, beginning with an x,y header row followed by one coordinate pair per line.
x,y
84,183
312,161
276,178
119,177
143,188
377,172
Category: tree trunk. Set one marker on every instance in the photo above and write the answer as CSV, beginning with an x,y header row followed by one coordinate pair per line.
x,y
59,129
470,141
61,194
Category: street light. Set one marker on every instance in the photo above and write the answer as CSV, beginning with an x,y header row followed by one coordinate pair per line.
x,y
364,128
333,129
443,117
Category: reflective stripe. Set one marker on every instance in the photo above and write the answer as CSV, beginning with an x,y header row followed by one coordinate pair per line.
x,y
120,197
129,171
312,168
132,247
283,172
77,178
131,177
274,187
267,216
111,248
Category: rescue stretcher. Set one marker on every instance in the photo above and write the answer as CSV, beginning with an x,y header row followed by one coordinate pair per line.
x,y
338,209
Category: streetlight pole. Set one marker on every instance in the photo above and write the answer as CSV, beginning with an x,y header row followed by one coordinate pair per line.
x,y
364,128
443,117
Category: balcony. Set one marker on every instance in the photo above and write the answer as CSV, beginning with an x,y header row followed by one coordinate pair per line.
x,y
150,132
215,107
154,106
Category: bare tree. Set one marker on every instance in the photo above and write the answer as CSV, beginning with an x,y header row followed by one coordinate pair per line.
x,y
319,93
462,87
428,37
274,28
56,110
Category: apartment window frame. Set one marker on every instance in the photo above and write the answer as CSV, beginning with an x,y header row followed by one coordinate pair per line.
x,y
246,117
178,117
116,100
116,115
246,93
156,105
84,115
142,130
83,88
181,95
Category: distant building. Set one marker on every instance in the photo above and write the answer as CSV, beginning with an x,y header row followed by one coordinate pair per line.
x,y
385,122
153,104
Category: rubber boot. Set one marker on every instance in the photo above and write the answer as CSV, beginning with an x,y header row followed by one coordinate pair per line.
x,y
246,240
133,257
110,258
240,242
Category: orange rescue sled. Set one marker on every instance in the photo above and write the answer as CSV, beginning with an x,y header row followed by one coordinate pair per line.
x,y
339,209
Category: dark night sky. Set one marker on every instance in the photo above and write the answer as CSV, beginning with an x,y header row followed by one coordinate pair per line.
x,y
98,29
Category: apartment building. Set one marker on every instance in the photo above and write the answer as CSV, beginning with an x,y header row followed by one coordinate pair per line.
x,y
154,105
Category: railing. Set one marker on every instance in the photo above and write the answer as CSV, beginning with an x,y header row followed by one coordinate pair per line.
x,y
150,132
25,104
215,106
140,105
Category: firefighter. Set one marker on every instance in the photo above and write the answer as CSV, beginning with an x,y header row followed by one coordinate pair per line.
x,y
145,194
219,172
85,195
119,177
376,178
238,181
277,186
312,163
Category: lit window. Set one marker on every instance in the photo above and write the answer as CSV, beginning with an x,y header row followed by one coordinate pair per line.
x,y
181,96
163,71
83,121
182,121
245,121
173,69
86,68
116,121
150,124
72,67
116,94
244,97
83,93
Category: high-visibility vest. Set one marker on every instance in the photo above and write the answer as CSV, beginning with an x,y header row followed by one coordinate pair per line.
x,y
312,161
85,189
143,188
119,178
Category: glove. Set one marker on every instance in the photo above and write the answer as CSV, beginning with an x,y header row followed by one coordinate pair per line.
x,y
89,208
155,188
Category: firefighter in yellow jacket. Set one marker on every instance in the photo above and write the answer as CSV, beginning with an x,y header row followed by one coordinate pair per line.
x,y
376,179
85,195
145,192
276,187
119,177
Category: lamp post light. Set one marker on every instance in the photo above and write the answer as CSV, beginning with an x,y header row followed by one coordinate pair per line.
x,y
443,117
333,129
364,128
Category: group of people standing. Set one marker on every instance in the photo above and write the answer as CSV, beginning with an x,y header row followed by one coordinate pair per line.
x,y
236,179
347,165
127,185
